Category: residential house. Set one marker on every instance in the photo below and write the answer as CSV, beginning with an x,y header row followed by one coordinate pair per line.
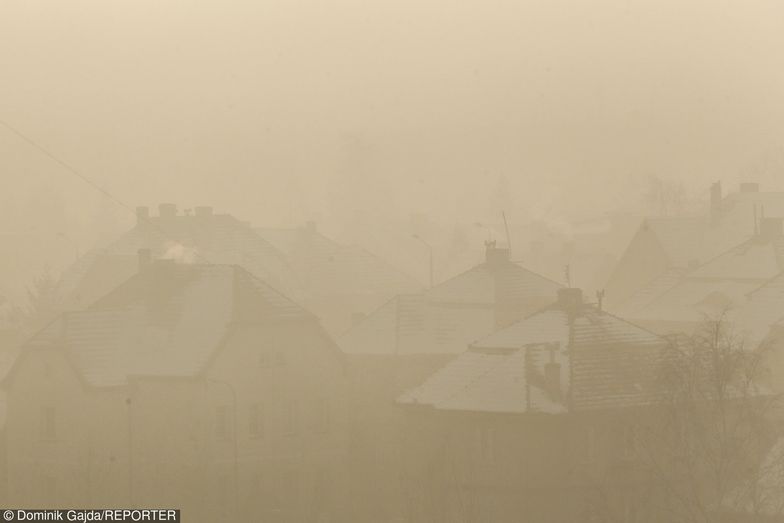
x,y
403,342
666,248
193,386
191,236
341,283
719,287
535,421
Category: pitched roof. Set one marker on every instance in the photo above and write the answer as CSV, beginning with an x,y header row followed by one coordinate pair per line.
x,y
605,362
410,315
327,267
482,283
165,321
718,285
216,238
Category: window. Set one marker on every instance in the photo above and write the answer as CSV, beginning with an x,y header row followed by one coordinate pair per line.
x,y
280,358
256,421
221,422
48,423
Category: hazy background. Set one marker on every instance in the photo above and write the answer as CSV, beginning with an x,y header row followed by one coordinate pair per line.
x,y
281,111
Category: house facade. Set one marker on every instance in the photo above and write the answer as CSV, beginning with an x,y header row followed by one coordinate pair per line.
x,y
194,386
406,340
538,419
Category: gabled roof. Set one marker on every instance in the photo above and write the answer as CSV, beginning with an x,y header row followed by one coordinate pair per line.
x,y
410,316
605,362
683,239
327,267
165,321
718,285
650,292
215,238
481,284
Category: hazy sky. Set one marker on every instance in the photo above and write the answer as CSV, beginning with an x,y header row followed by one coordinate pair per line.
x,y
270,108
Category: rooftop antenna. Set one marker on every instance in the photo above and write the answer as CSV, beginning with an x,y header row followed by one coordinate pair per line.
x,y
568,275
508,238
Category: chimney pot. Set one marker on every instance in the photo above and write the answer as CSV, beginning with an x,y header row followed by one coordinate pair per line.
x,y
167,210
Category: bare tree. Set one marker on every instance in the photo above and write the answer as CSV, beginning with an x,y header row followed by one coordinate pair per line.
x,y
705,444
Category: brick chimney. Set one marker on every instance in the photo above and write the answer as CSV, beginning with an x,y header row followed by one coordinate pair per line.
x,y
771,228
167,210
495,256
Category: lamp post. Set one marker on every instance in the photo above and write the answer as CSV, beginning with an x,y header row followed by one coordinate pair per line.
x,y
430,249
234,441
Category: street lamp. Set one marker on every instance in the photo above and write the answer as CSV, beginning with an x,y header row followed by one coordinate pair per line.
x,y
234,438
430,249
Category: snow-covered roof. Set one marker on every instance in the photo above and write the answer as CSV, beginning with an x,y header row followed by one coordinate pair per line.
x,y
327,267
215,238
479,287
605,362
165,321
